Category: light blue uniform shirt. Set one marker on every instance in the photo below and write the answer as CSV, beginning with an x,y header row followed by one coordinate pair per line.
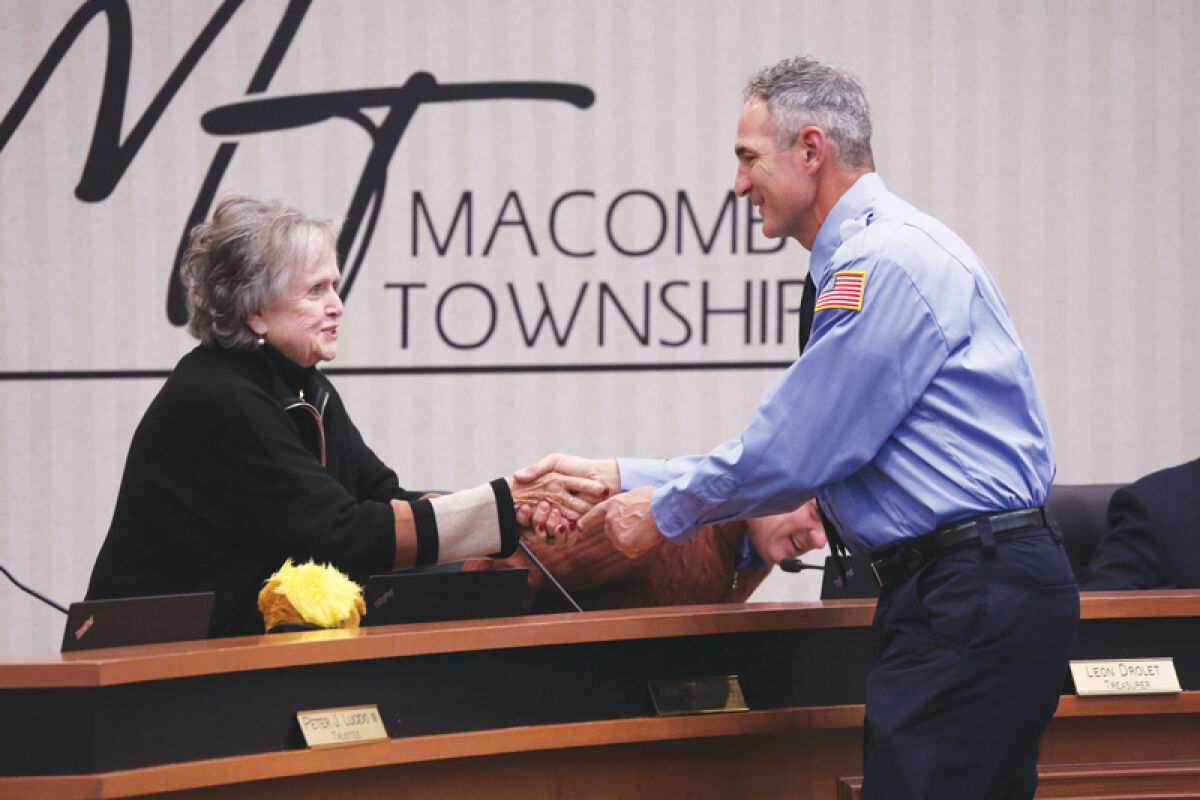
x,y
917,410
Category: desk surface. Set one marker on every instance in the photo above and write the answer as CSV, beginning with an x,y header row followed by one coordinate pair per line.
x,y
112,666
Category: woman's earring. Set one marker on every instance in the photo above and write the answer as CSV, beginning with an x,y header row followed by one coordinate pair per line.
x,y
260,341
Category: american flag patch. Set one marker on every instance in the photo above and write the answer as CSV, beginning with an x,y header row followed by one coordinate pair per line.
x,y
845,292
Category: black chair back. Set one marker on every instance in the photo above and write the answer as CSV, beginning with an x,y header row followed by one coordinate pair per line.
x,y
1081,511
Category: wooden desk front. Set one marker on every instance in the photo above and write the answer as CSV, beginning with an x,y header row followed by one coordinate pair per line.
x,y
551,707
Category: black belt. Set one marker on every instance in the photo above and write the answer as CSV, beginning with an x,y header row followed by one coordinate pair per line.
x,y
898,562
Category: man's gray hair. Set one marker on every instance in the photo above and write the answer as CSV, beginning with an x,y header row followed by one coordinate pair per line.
x,y
802,91
240,262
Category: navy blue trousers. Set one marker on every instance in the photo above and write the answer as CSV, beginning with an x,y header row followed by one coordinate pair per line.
x,y
970,656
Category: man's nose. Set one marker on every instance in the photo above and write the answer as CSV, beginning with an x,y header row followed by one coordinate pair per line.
x,y
741,184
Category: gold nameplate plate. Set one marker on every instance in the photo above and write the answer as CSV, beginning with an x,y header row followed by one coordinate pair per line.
x,y
1125,676
352,725
697,696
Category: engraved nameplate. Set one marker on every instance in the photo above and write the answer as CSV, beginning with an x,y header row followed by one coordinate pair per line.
x,y
1125,676
352,725
697,696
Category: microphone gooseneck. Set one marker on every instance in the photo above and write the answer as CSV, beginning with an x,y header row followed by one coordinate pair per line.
x,y
546,572
26,589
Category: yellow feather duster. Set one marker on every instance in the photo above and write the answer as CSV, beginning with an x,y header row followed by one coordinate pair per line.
x,y
317,594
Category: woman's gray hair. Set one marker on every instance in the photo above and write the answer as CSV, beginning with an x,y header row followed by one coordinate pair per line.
x,y
802,91
240,262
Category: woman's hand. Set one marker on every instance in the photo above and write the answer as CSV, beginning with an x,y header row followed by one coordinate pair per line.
x,y
545,519
549,503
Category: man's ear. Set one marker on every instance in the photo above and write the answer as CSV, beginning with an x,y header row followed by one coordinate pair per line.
x,y
812,148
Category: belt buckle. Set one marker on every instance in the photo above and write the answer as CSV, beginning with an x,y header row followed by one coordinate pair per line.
x,y
875,573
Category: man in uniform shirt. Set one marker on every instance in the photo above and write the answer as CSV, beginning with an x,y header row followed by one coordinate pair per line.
x,y
913,420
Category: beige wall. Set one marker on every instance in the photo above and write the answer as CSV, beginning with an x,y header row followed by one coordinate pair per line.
x,y
1059,138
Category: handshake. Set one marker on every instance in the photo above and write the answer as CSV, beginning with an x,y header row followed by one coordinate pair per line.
x,y
561,498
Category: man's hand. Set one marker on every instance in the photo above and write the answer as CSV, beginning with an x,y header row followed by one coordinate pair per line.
x,y
603,470
788,535
626,520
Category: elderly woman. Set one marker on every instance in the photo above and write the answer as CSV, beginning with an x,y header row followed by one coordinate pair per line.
x,y
247,456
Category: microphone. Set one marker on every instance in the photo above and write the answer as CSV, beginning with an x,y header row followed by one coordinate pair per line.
x,y
796,565
546,572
